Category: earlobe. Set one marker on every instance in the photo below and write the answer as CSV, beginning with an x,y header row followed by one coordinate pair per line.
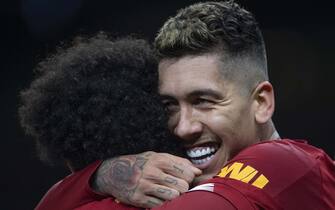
x,y
264,102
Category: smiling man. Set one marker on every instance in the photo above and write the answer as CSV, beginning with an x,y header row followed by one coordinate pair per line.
x,y
215,117
214,84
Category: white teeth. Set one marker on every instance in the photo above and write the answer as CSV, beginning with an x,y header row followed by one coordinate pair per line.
x,y
201,161
198,152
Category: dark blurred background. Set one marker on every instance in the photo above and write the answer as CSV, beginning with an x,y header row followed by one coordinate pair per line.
x,y
300,44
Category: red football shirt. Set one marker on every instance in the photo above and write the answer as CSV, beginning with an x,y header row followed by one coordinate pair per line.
x,y
279,174
71,192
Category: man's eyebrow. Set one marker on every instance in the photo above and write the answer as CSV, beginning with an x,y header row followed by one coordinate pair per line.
x,y
206,92
196,93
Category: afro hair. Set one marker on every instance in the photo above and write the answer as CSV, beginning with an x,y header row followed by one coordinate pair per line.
x,y
95,100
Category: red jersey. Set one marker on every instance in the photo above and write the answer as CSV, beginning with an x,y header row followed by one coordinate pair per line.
x,y
71,192
281,174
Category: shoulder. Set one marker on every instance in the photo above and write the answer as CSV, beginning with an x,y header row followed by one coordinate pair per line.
x,y
281,152
273,161
72,191
274,171
281,146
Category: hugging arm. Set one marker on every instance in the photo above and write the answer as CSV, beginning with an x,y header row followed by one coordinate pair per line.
x,y
144,180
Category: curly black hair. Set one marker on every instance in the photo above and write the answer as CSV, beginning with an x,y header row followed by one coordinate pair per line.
x,y
95,100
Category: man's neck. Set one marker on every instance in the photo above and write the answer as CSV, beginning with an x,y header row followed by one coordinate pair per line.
x,y
270,132
275,135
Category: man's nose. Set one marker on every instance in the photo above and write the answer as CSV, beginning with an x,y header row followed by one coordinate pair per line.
x,y
188,127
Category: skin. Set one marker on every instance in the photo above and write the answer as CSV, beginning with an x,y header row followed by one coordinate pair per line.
x,y
205,109
144,180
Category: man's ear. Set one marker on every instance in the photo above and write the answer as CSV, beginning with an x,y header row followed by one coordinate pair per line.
x,y
264,102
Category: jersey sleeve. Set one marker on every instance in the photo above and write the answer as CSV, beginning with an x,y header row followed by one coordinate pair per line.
x,y
71,192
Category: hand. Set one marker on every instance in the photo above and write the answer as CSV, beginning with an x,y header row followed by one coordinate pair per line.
x,y
145,180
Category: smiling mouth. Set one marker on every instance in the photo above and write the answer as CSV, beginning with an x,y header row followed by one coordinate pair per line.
x,y
201,155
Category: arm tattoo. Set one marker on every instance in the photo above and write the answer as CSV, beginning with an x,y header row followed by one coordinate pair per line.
x,y
120,176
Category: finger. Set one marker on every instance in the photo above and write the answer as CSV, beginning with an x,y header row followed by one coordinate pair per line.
x,y
183,162
142,198
151,202
155,177
179,167
186,163
163,193
176,165
173,182
184,168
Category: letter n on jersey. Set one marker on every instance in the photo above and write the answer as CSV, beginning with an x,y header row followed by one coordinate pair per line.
x,y
245,174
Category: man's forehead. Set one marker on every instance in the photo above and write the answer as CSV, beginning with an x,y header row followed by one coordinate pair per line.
x,y
190,77
189,60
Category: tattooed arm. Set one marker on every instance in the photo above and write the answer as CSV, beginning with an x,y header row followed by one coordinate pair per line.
x,y
144,180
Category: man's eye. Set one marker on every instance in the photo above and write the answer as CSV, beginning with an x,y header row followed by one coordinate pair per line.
x,y
170,107
202,102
